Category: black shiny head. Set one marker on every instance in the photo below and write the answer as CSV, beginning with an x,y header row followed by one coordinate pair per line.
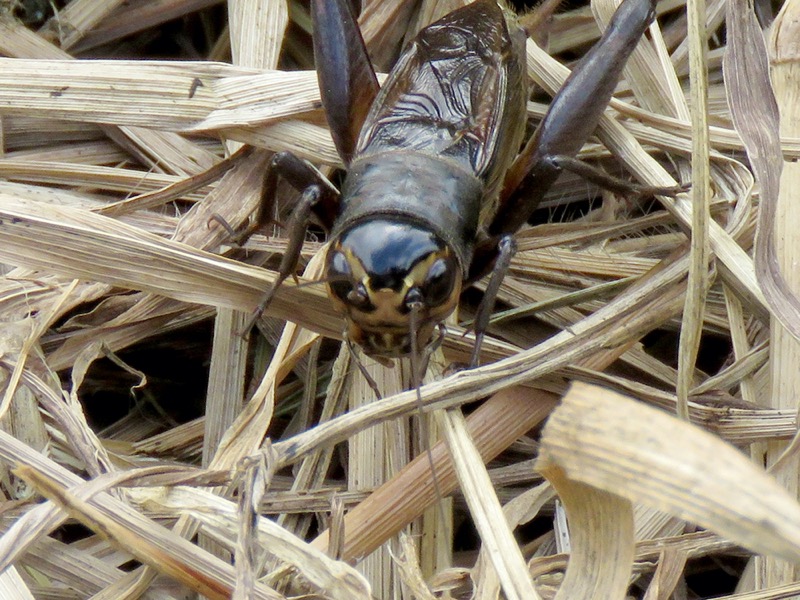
x,y
381,270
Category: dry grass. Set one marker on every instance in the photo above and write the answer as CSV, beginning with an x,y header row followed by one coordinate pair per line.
x,y
111,182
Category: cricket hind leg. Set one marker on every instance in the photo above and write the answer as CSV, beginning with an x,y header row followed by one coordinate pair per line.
x,y
347,81
572,117
611,183
319,197
348,86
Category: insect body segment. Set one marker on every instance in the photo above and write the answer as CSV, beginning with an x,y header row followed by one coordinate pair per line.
x,y
404,239
458,93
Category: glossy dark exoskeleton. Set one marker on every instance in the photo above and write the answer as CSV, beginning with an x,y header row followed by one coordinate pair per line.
x,y
435,179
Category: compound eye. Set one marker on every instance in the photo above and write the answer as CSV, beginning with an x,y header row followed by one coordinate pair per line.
x,y
340,282
358,297
439,282
340,277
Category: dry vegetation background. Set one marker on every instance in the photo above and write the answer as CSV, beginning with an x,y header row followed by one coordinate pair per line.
x,y
147,450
